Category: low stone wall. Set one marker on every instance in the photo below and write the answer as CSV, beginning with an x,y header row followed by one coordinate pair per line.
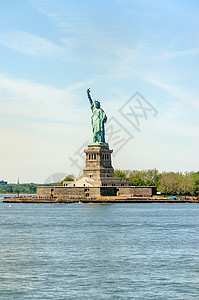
x,y
136,190
62,191
127,191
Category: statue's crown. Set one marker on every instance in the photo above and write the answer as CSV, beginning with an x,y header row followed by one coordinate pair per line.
x,y
97,102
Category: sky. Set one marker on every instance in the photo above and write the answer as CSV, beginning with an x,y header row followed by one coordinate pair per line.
x,y
140,60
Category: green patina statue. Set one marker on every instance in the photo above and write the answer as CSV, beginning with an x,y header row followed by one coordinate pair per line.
x,y
97,120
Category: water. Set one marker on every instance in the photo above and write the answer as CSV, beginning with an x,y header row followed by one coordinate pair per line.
x,y
117,251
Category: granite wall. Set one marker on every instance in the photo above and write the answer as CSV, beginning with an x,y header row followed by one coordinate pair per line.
x,y
126,191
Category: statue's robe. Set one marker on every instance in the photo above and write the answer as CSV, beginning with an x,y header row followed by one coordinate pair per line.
x,y
97,120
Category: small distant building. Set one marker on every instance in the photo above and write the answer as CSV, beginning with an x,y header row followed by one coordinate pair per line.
x,y
2,182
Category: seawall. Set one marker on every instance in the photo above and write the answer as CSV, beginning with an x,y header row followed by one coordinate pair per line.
x,y
34,199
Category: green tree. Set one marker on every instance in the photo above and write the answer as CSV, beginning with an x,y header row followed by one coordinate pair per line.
x,y
121,174
195,176
185,183
137,178
69,177
168,183
150,177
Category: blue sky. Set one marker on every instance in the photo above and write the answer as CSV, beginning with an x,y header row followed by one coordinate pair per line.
x,y
51,51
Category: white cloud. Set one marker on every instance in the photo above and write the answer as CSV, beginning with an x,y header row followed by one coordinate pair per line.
x,y
176,92
23,98
173,54
29,44
40,127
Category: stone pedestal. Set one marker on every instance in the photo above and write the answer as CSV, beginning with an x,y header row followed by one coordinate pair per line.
x,y
98,166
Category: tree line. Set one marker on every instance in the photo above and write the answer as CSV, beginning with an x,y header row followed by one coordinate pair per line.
x,y
167,183
24,188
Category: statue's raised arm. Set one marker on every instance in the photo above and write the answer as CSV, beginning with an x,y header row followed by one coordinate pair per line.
x,y
89,96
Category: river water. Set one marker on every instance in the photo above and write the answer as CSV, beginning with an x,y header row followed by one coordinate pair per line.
x,y
116,251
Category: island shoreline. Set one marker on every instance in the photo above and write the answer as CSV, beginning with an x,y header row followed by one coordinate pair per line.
x,y
98,200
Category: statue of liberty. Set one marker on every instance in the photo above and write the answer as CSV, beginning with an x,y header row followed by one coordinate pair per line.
x,y
97,120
